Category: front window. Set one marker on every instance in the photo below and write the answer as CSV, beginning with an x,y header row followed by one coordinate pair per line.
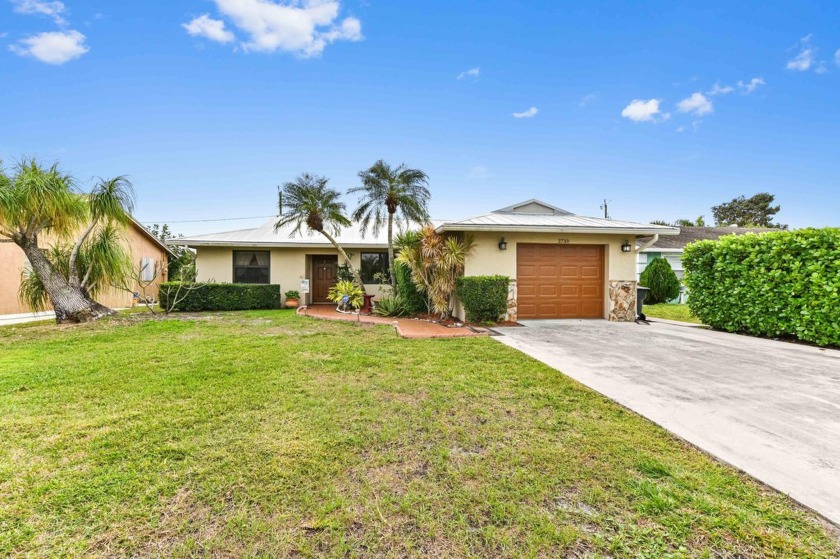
x,y
251,266
374,267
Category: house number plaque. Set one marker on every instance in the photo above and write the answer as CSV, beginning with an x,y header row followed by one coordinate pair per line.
x,y
563,241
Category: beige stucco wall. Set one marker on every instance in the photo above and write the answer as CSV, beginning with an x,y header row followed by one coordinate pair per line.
x,y
13,262
489,260
287,265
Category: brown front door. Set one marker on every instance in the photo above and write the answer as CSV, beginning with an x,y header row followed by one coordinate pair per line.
x,y
323,272
560,281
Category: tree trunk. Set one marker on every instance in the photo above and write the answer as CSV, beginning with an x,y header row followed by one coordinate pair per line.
x,y
343,254
392,271
71,304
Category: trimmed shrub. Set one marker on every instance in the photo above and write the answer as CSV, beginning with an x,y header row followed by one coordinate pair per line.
x,y
484,297
776,284
222,297
663,282
413,301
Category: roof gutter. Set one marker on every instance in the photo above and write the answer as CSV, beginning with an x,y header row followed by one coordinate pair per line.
x,y
648,244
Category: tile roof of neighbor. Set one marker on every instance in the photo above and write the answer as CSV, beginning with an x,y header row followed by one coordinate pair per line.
x,y
550,219
691,234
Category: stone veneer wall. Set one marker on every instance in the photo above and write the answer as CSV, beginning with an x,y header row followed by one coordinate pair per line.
x,y
622,301
512,306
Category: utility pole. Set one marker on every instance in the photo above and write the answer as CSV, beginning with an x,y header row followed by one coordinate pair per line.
x,y
605,207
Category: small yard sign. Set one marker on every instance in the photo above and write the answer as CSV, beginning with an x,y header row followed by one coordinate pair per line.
x,y
304,285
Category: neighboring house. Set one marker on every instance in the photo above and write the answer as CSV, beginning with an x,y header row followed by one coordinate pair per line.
x,y
561,265
147,252
671,248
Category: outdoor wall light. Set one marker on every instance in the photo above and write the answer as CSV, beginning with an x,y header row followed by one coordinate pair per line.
x,y
626,247
502,244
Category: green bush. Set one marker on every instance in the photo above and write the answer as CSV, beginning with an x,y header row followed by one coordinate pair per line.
x,y
413,301
220,297
663,283
484,297
784,284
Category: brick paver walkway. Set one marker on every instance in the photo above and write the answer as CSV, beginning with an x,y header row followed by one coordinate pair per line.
x,y
406,327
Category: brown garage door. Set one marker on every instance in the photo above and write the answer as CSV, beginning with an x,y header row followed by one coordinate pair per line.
x,y
560,281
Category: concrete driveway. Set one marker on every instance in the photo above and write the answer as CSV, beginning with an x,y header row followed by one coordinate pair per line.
x,y
770,408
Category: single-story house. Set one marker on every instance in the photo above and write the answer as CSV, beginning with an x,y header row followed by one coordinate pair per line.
x,y
561,265
147,253
671,247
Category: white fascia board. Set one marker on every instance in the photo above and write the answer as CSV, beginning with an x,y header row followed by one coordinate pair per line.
x,y
669,250
235,244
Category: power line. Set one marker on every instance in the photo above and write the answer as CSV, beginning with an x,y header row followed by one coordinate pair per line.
x,y
152,222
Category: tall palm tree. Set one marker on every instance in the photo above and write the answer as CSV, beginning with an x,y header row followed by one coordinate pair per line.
x,y
387,192
37,201
313,205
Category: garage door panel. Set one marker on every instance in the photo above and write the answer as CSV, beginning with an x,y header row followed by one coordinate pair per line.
x,y
591,272
591,291
570,291
570,272
590,251
560,281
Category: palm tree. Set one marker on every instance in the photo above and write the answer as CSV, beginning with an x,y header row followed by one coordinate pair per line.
x,y
435,262
313,205
38,201
391,191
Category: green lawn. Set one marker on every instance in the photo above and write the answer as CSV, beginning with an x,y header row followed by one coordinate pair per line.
x,y
670,311
264,434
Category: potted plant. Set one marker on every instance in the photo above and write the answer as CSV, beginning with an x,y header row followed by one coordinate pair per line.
x,y
292,299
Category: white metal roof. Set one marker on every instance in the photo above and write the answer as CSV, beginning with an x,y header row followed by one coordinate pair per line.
x,y
560,223
505,220
266,236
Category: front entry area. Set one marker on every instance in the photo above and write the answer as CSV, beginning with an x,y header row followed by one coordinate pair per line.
x,y
324,270
560,281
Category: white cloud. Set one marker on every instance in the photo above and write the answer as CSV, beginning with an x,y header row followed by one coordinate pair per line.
x,y
750,86
698,105
644,111
52,9
209,28
56,47
742,87
303,27
804,59
471,73
586,99
718,89
530,113
479,172
680,129
837,57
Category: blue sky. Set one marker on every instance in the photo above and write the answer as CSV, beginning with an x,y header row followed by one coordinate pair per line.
x,y
208,105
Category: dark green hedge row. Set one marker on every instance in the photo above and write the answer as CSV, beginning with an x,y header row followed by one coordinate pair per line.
x,y
414,301
484,297
784,283
222,297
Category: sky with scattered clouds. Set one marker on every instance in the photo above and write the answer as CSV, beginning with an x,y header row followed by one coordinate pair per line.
x,y
208,105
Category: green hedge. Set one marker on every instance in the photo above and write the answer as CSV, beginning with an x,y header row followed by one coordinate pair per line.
x,y
784,283
413,301
222,297
484,297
